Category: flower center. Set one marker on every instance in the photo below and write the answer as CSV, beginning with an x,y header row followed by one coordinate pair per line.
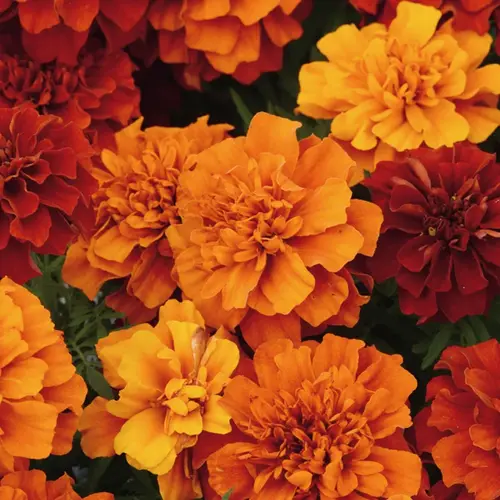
x,y
321,425
45,85
452,218
143,201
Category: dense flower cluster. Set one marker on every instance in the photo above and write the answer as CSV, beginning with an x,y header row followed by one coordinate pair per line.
x,y
319,420
97,94
169,379
393,89
258,213
45,187
461,426
33,485
440,236
41,396
213,288
134,206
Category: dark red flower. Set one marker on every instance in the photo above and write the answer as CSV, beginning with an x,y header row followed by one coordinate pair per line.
x,y
441,231
98,94
45,186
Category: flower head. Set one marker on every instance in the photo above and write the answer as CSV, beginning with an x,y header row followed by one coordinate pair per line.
x,y
440,231
461,426
45,186
319,420
134,205
58,29
98,93
41,396
169,379
467,14
242,39
393,89
33,485
257,214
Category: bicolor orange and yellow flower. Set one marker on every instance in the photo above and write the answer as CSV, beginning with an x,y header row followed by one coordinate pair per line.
x,y
169,380
134,206
397,88
269,230
319,421
41,396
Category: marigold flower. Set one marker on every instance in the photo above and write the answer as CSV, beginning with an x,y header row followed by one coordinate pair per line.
x,y
461,426
319,420
58,29
98,93
257,214
242,39
393,89
169,379
41,396
45,185
440,231
33,485
134,205
467,14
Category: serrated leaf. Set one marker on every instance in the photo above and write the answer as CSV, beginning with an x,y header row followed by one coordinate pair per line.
x,y
97,381
440,341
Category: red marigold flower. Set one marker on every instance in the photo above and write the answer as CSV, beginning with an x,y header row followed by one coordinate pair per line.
x,y
440,237
461,427
45,185
239,38
98,93
59,28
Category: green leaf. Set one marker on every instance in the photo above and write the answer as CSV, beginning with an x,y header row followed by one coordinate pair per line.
x,y
97,381
437,345
467,334
245,114
479,328
227,496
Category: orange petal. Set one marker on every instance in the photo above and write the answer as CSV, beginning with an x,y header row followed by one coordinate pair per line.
x,y
257,328
180,483
273,134
286,271
367,218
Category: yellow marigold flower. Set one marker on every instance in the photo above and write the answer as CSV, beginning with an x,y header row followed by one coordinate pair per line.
x,y
169,379
41,396
257,214
134,205
393,89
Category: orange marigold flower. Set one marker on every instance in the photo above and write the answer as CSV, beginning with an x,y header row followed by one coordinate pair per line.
x,y
45,185
319,420
239,38
257,214
393,89
461,427
134,205
41,396
33,485
169,379
98,93
58,29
